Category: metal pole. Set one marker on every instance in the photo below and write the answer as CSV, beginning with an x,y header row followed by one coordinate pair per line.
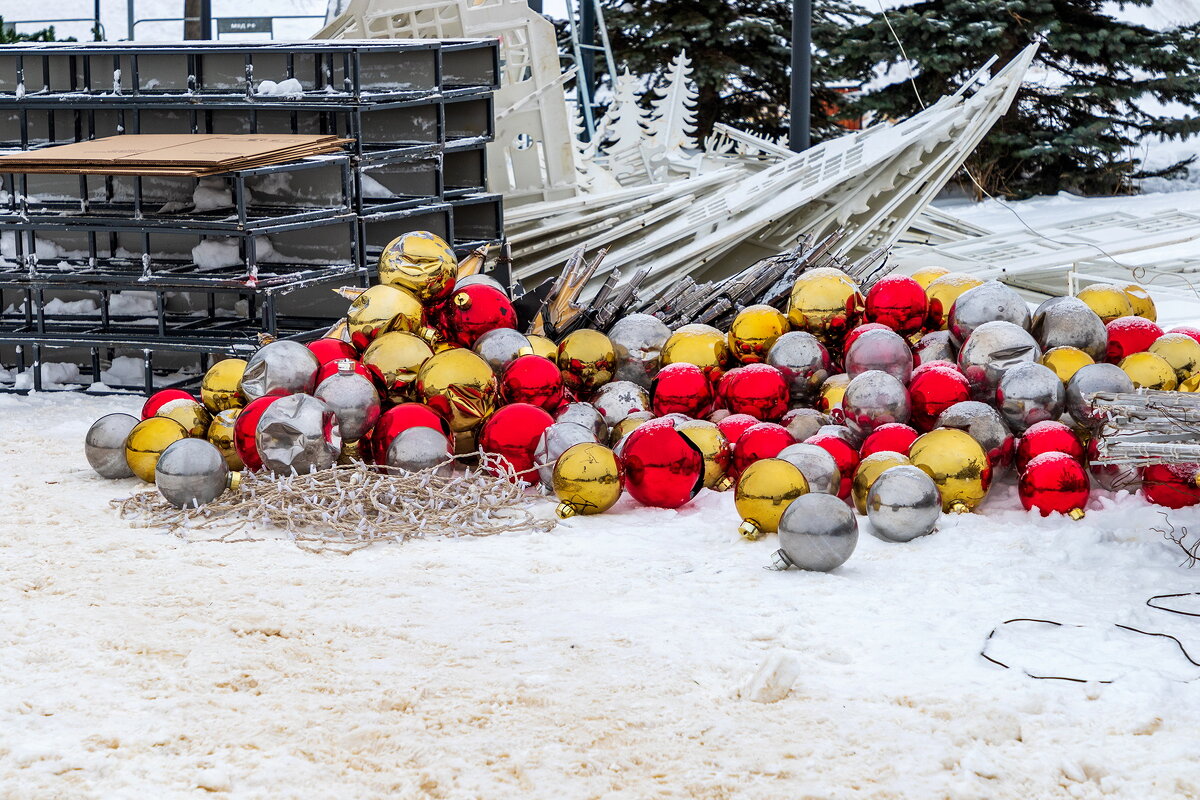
x,y
206,19
798,133
96,16
587,41
129,18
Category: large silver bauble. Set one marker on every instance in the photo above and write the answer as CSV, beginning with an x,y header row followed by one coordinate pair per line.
x,y
1030,393
992,349
804,362
1069,322
816,465
816,532
104,445
638,341
988,302
554,441
584,415
280,368
420,448
804,422
617,400
500,347
480,279
902,504
872,399
191,473
985,425
1087,381
298,434
846,434
353,398
882,350
935,346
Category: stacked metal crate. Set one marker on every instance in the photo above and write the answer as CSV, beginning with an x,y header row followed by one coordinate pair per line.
x,y
225,259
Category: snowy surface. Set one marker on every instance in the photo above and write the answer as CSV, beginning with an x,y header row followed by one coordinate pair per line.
x,y
643,653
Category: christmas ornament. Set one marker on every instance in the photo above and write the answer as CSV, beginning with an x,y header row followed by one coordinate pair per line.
x,y
702,345
420,262
895,437
817,532
280,368
993,348
356,366
932,392
869,470
156,401
479,279
472,312
1171,485
935,346
104,445
638,341
985,425
460,386
587,479
626,426
988,302
339,331
943,292
872,399
617,400
1108,301
1048,436
532,379
903,504
500,347
546,348
898,302
220,436
927,275
881,350
584,414
1187,330
192,415
662,466
219,389
833,390
393,361
846,434
804,422
1179,350
298,434
587,360
400,418
381,309
858,331
1030,393
763,493
1054,482
1129,335
825,302
1085,383
958,466
1148,371
353,399
1066,361
329,350
513,432
192,473
818,467
803,361
759,441
556,440
420,448
845,456
682,388
754,332
146,442
734,425
755,389
713,446
244,429
1069,322
1140,301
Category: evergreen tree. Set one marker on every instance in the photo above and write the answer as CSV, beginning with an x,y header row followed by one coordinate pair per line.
x,y
8,36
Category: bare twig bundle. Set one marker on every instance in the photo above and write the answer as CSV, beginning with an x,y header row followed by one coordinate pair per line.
x,y
1148,427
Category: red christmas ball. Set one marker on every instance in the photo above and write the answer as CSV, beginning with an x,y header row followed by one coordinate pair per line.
x,y
759,441
898,302
160,398
759,390
732,426
532,379
474,310
1054,482
938,364
398,419
662,466
894,436
681,389
331,368
1171,485
932,391
859,331
244,429
513,432
1187,330
1129,335
329,351
1047,436
844,455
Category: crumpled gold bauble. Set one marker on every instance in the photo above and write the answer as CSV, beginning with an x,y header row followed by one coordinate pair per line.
x,y
713,446
958,465
942,292
1066,361
764,491
587,480
702,345
193,416
587,360
753,331
542,346
220,435
1181,351
1149,371
1140,302
381,309
825,302
420,262
219,389
868,470
147,441
829,397
460,386
394,359
1108,301
927,275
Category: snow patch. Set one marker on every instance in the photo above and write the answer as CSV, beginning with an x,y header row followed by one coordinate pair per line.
x,y
289,87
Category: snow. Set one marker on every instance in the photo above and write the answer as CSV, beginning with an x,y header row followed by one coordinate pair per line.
x,y
212,194
218,253
289,87
641,653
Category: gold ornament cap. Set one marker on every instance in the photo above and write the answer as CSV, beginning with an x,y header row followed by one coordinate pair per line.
x,y
234,481
565,511
750,531
1076,514
959,507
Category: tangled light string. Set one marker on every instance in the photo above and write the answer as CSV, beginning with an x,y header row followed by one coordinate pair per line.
x,y
352,506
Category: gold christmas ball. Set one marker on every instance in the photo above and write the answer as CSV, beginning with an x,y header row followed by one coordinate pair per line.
x,y
146,443
1140,302
942,292
1150,371
1179,350
958,465
460,386
753,331
586,359
587,480
394,359
825,302
193,416
927,275
1066,361
339,331
381,309
543,346
868,470
220,435
1108,301
702,345
713,445
626,426
1192,384
420,262
832,390
219,389
764,491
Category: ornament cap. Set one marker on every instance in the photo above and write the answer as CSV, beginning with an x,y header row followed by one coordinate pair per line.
x,y
565,511
431,336
750,531
234,481
959,507
462,300
1076,513
345,366
780,561
726,483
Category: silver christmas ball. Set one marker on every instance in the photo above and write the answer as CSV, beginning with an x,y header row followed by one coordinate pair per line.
x,y
353,398
804,422
584,415
816,532
1069,322
480,279
104,445
298,433
882,350
816,465
846,434
500,347
804,362
1087,381
191,473
903,504
280,368
617,400
1030,393
638,340
983,424
935,346
992,349
872,399
420,448
554,441
988,302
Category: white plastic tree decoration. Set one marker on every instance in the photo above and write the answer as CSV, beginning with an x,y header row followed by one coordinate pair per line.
x,y
622,123
672,117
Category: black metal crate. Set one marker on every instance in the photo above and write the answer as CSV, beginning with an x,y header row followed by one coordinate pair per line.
x,y
478,218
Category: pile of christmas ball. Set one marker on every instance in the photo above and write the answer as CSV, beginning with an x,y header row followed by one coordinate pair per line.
x,y
899,403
